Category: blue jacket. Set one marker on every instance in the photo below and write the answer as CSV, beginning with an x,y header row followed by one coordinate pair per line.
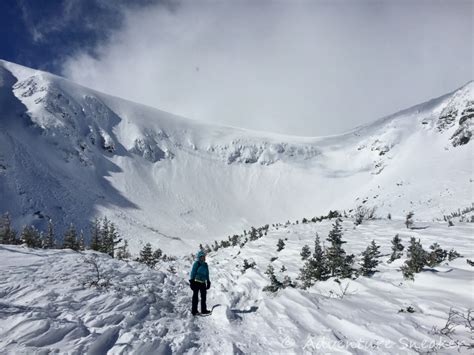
x,y
199,271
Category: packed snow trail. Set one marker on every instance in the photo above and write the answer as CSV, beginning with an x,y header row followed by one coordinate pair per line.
x,y
48,305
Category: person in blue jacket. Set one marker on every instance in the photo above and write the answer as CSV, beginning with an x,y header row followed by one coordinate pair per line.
x,y
199,282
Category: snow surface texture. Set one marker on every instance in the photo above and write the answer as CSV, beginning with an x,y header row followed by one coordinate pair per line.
x,y
46,304
70,154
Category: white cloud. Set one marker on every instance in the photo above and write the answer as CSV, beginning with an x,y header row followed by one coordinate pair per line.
x,y
306,68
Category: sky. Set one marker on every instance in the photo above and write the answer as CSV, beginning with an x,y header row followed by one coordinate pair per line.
x,y
306,68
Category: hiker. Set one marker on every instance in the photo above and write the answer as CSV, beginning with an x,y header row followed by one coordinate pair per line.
x,y
199,282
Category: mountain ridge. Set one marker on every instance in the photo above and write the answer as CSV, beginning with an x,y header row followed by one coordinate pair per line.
x,y
176,182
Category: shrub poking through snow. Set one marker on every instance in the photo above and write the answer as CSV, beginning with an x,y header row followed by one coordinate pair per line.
x,y
363,212
280,245
275,285
417,258
453,254
248,265
370,259
436,256
409,219
397,248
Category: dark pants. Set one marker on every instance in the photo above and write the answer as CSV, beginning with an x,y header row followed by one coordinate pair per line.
x,y
199,287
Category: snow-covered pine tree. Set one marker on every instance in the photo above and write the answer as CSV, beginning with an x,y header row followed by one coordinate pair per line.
x,y
409,219
96,235
207,249
370,259
397,248
339,263
453,254
305,252
70,238
316,267
280,245
417,258
122,251
146,256
49,241
31,237
436,256
275,285
7,233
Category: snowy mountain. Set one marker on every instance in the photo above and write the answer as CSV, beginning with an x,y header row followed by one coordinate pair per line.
x,y
70,153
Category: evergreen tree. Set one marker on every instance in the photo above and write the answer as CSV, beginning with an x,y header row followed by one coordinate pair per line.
x,y
370,259
436,256
31,237
96,239
81,244
70,238
253,234
417,258
146,256
453,254
7,233
104,236
275,285
48,241
110,237
248,265
339,263
122,251
409,219
287,282
207,249
305,252
280,245
397,248
316,267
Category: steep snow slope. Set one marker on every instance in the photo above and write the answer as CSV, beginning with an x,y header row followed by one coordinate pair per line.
x,y
70,153
47,306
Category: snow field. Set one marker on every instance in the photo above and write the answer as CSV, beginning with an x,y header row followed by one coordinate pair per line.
x,y
45,305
